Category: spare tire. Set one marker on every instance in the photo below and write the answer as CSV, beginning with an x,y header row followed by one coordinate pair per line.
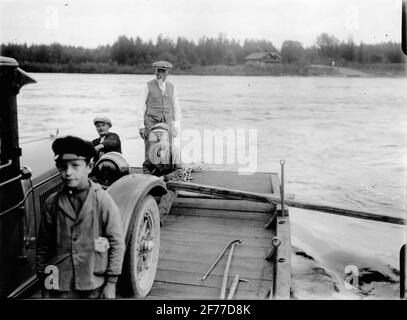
x,y
110,168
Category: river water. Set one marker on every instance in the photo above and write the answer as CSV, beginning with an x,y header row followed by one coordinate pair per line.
x,y
343,141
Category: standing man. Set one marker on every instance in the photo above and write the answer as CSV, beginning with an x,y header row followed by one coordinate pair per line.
x,y
159,104
80,227
107,141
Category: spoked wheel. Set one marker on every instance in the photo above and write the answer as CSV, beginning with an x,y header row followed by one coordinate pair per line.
x,y
143,251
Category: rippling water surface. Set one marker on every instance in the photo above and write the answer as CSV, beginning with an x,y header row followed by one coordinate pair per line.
x,y
343,140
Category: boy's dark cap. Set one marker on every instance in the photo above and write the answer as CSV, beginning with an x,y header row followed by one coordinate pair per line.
x,y
73,148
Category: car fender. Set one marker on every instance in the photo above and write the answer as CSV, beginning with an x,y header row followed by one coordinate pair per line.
x,y
129,191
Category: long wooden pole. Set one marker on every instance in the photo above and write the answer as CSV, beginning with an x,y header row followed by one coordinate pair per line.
x,y
263,197
233,286
226,273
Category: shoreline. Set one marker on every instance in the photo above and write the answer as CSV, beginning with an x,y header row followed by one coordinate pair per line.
x,y
274,70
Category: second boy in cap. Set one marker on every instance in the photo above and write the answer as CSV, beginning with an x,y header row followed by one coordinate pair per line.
x,y
107,141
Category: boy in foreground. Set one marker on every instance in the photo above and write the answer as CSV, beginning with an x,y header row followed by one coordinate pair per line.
x,y
81,227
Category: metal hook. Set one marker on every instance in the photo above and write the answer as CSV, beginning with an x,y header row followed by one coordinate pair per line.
x,y
218,258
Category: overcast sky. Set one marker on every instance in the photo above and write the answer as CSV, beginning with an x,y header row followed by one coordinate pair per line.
x,y
90,23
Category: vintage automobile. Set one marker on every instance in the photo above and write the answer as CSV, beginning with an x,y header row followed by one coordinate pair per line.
x,y
220,207
23,192
199,226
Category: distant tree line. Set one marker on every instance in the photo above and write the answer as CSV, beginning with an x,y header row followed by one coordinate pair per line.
x,y
328,48
186,54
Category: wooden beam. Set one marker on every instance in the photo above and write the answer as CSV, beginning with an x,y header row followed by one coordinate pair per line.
x,y
249,216
220,192
194,195
264,197
224,204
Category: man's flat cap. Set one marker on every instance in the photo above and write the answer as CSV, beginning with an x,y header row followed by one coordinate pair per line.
x,y
73,148
159,126
102,119
162,65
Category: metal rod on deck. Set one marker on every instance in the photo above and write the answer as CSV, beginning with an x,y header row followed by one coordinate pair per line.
x,y
226,273
218,258
276,242
403,272
282,162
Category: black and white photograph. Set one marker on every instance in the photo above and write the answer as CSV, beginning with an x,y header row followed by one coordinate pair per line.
x,y
175,150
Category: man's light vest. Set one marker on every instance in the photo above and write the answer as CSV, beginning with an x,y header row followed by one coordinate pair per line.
x,y
159,106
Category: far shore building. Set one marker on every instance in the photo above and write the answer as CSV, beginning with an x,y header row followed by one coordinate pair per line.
x,y
262,58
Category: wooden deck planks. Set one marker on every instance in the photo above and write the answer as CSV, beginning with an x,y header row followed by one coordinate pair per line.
x,y
248,266
181,291
215,238
167,290
244,267
186,254
193,278
172,248
257,182
228,233
220,241
224,204
198,223
197,230
215,214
